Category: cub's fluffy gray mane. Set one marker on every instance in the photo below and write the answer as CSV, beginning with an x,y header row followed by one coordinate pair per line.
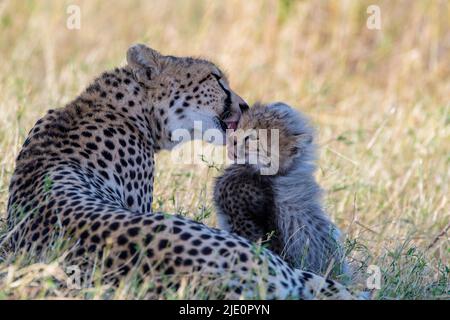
x,y
310,239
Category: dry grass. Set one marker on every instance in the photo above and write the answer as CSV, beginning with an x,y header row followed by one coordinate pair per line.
x,y
380,99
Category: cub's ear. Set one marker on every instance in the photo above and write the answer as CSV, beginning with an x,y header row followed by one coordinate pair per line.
x,y
144,62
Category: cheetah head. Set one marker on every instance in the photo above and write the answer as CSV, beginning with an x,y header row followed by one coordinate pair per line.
x,y
187,95
272,137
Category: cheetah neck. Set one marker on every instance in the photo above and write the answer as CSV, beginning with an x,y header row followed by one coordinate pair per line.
x,y
131,123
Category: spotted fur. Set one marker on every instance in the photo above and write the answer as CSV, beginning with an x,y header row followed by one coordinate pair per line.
x,y
85,175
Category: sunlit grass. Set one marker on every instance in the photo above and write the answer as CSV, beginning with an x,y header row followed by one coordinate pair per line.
x,y
380,100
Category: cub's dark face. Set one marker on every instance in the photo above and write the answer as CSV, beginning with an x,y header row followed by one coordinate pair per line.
x,y
271,137
192,97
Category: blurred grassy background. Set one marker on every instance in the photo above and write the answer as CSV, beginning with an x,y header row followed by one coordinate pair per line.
x,y
380,99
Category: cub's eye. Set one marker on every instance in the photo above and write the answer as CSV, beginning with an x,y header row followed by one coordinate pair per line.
x,y
294,150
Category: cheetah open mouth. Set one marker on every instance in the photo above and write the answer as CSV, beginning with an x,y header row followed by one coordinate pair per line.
x,y
229,120
228,124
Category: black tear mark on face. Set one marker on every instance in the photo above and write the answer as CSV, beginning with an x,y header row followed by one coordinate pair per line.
x,y
227,108
204,79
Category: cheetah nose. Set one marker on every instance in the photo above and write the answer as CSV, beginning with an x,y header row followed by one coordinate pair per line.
x,y
243,106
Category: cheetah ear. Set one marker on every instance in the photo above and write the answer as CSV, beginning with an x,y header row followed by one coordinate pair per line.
x,y
145,62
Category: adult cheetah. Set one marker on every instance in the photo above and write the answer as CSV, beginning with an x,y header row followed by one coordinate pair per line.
x,y
85,174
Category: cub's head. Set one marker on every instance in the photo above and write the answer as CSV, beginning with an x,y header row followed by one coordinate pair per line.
x,y
271,137
190,98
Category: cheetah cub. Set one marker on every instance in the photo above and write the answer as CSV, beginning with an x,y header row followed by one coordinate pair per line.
x,y
282,208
